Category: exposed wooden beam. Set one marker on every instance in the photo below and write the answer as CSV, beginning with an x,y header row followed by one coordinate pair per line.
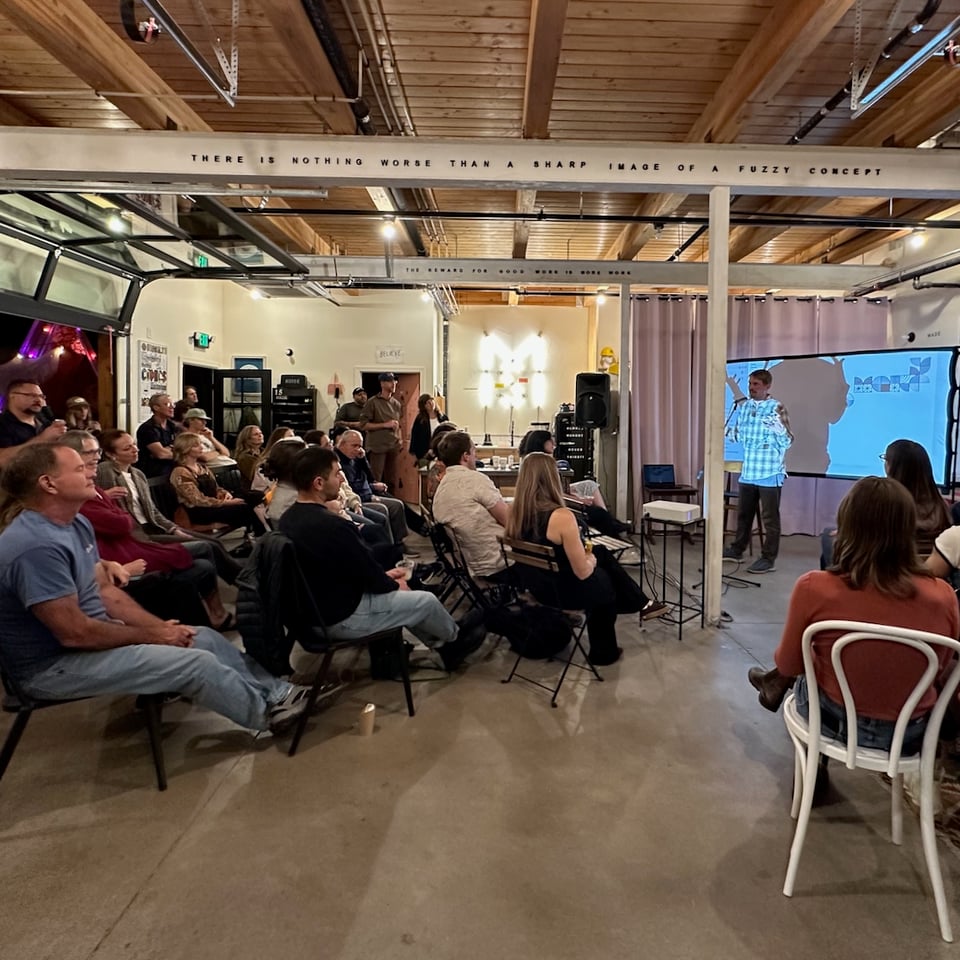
x,y
547,22
306,54
12,116
526,203
790,32
84,43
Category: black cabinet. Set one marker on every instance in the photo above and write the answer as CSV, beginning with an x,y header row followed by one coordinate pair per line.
x,y
574,444
295,407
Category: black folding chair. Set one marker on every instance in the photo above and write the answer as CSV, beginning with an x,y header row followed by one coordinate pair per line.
x,y
305,625
534,568
20,703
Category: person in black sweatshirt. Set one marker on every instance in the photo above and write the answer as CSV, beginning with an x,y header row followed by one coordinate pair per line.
x,y
354,595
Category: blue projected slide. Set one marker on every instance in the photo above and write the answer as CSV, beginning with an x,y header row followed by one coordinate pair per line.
x,y
845,409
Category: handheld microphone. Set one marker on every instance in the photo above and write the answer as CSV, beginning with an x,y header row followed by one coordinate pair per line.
x,y
47,413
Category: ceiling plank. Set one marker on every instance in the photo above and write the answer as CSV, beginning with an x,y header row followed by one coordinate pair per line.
x,y
790,33
547,22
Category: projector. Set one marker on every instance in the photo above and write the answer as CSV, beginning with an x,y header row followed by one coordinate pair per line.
x,y
671,511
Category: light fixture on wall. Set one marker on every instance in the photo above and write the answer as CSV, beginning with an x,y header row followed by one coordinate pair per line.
x,y
601,297
256,294
917,238
389,229
116,224
425,295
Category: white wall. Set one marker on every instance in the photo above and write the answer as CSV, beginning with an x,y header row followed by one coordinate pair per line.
x,y
169,312
331,341
564,331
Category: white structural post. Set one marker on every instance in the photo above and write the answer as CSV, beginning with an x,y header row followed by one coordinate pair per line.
x,y
623,424
717,290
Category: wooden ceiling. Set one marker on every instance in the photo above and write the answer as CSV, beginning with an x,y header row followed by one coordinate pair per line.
x,y
747,71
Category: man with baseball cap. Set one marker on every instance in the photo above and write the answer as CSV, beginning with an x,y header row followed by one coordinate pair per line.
x,y
350,413
381,423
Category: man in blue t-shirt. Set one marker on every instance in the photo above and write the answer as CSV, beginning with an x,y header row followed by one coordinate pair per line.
x,y
67,631
762,426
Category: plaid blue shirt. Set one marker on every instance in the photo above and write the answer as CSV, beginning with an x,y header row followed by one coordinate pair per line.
x,y
760,428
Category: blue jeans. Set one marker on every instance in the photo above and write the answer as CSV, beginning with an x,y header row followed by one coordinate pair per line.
x,y
872,734
212,673
417,610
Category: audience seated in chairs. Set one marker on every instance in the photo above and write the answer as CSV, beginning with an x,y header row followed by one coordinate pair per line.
x,y
68,631
593,582
117,540
215,455
355,596
907,462
197,491
247,453
117,470
259,481
585,492
277,466
875,577
373,495
471,505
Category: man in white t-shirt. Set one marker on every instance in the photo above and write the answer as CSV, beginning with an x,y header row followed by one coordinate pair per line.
x,y
470,503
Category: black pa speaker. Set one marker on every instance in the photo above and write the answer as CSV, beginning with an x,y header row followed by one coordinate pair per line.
x,y
593,400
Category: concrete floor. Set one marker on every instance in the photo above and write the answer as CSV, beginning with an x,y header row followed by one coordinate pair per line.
x,y
645,817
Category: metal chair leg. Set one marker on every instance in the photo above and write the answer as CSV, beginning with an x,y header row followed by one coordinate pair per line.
x,y
405,673
311,700
13,738
152,711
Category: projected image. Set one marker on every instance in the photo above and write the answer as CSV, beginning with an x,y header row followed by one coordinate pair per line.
x,y
844,410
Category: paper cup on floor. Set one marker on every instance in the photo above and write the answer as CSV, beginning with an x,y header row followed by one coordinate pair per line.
x,y
368,716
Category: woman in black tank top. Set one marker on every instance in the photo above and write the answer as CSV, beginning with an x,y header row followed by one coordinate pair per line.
x,y
593,582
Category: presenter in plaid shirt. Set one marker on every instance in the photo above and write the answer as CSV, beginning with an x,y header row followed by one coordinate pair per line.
x,y
760,423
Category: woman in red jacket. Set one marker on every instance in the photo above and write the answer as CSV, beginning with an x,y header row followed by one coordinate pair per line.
x,y
117,540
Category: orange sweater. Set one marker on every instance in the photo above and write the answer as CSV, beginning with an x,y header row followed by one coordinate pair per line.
x,y
879,685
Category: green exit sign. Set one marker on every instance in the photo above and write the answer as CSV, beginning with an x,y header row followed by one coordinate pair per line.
x,y
202,261
202,340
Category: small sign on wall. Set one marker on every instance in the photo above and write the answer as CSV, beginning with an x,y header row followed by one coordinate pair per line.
x,y
152,359
389,355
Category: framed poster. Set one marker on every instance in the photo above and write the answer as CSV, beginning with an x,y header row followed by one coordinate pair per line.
x,y
246,388
152,362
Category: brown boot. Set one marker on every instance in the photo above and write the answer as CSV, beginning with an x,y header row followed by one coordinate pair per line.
x,y
771,684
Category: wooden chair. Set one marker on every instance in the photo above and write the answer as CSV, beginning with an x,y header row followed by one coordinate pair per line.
x,y
535,565
22,705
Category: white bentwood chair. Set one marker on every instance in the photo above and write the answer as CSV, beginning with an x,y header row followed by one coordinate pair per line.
x,y
809,743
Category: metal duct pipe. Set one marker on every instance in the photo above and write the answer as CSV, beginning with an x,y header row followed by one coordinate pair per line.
x,y
888,280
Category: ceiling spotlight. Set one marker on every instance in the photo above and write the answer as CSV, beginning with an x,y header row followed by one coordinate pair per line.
x,y
917,238
389,229
425,296
116,224
256,294
601,299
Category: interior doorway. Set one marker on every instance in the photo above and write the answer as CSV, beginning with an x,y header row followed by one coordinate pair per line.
x,y
405,483
201,379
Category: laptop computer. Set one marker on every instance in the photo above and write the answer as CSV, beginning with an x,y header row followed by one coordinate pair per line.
x,y
657,476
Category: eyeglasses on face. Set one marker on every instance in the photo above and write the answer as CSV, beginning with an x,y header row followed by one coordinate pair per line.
x,y
92,454
23,393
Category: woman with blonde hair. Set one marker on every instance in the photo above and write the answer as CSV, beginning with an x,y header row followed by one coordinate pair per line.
x,y
79,416
199,494
594,581
247,452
